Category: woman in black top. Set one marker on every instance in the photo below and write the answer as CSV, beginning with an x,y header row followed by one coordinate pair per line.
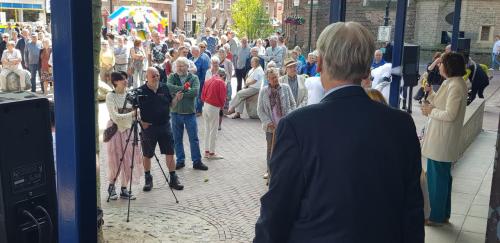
x,y
434,78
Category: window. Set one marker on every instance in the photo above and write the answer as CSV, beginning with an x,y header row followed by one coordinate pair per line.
x,y
214,4
189,2
485,34
188,24
267,7
221,4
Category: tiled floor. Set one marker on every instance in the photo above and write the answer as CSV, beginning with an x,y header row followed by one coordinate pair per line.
x,y
470,195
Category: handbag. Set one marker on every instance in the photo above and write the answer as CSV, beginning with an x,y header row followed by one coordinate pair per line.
x,y
109,132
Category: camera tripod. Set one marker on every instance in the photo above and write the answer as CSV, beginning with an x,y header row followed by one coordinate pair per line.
x,y
135,141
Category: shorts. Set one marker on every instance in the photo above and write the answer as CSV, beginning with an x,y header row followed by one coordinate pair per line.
x,y
160,134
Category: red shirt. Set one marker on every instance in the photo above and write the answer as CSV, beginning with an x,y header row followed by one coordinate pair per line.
x,y
214,92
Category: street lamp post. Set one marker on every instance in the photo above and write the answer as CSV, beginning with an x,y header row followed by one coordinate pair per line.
x,y
296,5
386,17
310,26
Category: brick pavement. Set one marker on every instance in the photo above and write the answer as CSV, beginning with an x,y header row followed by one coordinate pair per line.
x,y
223,208
228,202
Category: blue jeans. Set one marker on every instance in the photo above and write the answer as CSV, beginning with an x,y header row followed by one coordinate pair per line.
x,y
179,121
199,103
494,60
33,68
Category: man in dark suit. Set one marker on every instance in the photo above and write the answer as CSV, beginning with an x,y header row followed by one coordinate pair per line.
x,y
21,44
346,169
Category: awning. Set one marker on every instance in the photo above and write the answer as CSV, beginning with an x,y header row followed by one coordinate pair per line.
x,y
24,6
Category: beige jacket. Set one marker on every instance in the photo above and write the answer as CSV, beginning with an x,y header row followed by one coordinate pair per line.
x,y
442,136
302,92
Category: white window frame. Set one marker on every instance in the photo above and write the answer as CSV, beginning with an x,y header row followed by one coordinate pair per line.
x,y
214,4
188,22
221,7
189,2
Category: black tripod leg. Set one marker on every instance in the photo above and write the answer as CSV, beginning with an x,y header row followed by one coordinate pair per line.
x,y
121,162
134,144
165,175
161,168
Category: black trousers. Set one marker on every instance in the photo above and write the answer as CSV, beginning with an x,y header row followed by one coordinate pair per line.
x,y
240,76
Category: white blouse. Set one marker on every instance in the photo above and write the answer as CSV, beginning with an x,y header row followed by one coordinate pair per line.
x,y
115,101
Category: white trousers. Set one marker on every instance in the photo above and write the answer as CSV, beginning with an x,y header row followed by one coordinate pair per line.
x,y
5,72
238,103
211,117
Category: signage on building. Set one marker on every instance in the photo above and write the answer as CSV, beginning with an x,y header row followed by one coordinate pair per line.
x,y
384,33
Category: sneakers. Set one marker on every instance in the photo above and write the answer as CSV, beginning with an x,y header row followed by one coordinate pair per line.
x,y
148,184
214,156
125,194
200,166
112,192
174,183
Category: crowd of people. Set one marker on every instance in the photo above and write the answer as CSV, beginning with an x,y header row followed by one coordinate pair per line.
x,y
26,50
330,93
199,74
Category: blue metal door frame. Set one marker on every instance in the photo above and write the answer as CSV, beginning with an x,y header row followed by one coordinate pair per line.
x,y
337,11
74,104
456,25
397,52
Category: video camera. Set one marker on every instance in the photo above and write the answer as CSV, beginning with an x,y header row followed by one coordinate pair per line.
x,y
135,97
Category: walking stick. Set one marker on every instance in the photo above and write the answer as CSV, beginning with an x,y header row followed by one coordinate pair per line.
x,y
271,155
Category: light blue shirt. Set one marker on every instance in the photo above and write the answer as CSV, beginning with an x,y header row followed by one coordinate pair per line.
x,y
338,88
496,47
32,53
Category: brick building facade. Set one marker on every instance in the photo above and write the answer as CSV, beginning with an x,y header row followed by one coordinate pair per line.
x,y
425,21
190,15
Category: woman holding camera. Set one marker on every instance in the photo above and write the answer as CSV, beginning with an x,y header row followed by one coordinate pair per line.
x,y
446,112
121,118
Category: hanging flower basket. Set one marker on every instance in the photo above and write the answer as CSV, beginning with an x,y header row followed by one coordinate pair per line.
x,y
295,20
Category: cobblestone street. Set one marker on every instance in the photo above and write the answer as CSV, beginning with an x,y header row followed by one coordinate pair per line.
x,y
221,204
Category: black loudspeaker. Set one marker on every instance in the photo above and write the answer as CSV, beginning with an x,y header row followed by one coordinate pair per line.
x,y
464,48
410,64
446,36
28,202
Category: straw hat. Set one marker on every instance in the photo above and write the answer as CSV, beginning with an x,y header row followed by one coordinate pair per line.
x,y
290,62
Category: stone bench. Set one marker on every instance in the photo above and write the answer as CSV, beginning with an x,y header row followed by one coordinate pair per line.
x,y
13,82
473,124
251,106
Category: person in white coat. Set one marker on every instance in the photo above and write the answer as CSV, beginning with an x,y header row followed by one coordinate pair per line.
x,y
446,112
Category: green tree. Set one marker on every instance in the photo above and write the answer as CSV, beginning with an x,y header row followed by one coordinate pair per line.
x,y
251,19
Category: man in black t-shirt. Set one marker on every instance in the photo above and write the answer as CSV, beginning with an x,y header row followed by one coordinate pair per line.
x,y
155,102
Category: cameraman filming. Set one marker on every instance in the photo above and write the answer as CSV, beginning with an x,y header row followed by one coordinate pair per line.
x,y
155,102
